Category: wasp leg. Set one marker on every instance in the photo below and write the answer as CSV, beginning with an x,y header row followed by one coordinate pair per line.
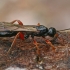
x,y
19,34
49,43
60,39
54,38
36,44
13,43
20,23
37,49
38,24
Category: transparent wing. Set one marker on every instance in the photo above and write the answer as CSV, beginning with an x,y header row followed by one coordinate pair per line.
x,y
6,26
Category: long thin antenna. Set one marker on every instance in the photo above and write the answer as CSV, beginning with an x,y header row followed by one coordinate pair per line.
x,y
64,30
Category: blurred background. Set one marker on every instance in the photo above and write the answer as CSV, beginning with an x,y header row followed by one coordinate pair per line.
x,y
51,13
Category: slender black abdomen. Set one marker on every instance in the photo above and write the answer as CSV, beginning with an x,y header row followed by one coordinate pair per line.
x,y
7,33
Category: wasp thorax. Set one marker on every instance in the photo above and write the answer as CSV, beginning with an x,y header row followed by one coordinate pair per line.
x,y
51,31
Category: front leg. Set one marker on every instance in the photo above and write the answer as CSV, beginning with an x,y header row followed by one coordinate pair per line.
x,y
49,43
56,36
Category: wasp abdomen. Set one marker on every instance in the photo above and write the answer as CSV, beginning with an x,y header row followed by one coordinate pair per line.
x,y
7,33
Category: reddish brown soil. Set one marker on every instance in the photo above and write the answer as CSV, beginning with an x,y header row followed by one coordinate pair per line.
x,y
24,54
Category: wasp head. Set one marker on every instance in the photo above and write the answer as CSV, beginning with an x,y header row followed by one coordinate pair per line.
x,y
51,32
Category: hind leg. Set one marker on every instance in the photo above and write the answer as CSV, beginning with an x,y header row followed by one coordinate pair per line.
x,y
19,34
19,22
13,43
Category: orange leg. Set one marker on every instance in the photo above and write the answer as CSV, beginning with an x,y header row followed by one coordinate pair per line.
x,y
38,24
36,45
60,39
37,50
48,42
55,36
19,34
13,43
20,23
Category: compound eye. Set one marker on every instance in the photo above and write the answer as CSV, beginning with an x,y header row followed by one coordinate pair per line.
x,y
51,31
